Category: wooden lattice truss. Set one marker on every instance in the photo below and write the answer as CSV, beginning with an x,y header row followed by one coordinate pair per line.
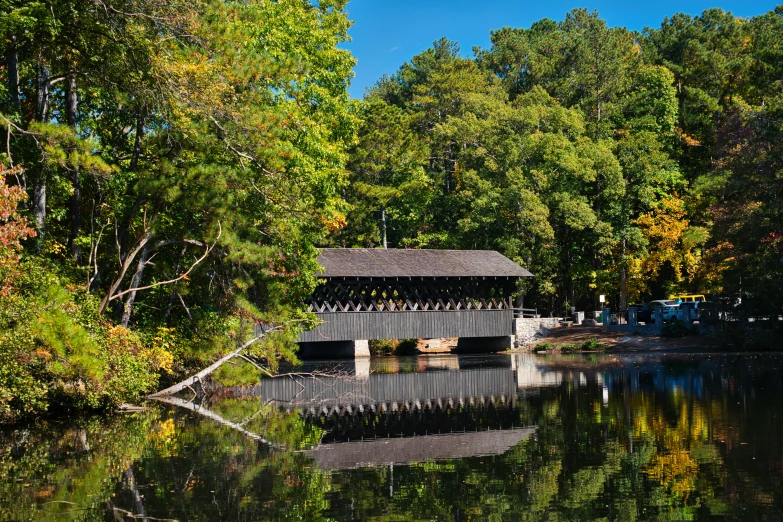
x,y
412,294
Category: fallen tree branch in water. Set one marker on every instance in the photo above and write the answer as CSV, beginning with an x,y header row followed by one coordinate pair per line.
x,y
175,401
190,381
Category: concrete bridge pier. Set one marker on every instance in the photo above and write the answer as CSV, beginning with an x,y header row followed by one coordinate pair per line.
x,y
335,349
362,367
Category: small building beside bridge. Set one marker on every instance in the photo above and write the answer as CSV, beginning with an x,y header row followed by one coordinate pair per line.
x,y
367,294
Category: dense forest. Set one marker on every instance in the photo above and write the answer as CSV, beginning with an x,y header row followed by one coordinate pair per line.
x,y
169,172
603,160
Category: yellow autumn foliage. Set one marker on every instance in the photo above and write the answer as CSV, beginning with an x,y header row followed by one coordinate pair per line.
x,y
664,229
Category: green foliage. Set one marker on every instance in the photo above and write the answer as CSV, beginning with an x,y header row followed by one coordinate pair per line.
x,y
385,165
21,393
68,466
591,345
542,347
407,347
676,328
56,349
382,347
182,163
606,162
535,151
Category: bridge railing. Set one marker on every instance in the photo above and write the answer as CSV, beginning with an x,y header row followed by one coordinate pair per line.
x,y
525,312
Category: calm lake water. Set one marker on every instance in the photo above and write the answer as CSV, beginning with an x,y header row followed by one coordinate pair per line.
x,y
648,437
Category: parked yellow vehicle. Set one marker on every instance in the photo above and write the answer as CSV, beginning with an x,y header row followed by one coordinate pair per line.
x,y
688,298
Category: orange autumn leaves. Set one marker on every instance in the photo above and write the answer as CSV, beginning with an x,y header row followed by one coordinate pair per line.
x,y
13,227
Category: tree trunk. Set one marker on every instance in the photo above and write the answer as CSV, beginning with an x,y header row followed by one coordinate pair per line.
x,y
42,96
169,307
190,381
81,439
137,143
76,198
142,243
129,481
447,170
623,281
76,216
519,300
135,283
39,181
383,225
39,206
71,101
125,226
173,292
12,63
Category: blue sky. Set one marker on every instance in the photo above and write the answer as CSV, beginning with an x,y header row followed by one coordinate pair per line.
x,y
387,33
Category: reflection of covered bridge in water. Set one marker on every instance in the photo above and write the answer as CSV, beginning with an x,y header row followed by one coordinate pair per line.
x,y
416,403
371,419
369,294
418,449
397,418
447,382
391,391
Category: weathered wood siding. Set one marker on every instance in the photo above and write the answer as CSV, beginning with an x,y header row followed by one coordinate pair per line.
x,y
380,388
348,326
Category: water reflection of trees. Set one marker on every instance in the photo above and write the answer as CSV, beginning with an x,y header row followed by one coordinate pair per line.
x,y
162,464
68,471
678,440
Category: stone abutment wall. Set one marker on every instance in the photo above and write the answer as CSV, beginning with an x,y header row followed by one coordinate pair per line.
x,y
527,328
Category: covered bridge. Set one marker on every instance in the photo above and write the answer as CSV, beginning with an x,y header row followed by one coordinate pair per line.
x,y
402,294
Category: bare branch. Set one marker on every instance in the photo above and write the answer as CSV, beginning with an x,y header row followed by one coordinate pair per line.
x,y
127,514
168,242
215,417
8,147
108,7
182,301
140,243
207,251
231,147
258,366
117,242
21,130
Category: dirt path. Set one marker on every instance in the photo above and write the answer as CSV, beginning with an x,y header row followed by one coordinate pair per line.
x,y
624,342
435,346
618,342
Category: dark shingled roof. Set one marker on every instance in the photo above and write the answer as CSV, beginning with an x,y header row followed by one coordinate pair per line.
x,y
348,455
397,262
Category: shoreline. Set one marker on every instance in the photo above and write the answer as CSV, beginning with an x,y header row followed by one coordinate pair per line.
x,y
623,342
615,342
